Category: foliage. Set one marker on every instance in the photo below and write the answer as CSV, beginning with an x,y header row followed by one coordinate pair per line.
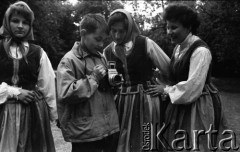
x,y
47,26
102,7
220,28
4,5
49,21
56,23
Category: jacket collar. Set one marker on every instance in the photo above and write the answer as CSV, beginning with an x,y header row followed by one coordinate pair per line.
x,y
81,52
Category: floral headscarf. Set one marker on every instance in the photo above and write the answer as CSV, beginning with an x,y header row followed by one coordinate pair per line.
x,y
23,9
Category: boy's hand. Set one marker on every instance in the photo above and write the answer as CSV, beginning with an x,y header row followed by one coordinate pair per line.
x,y
99,72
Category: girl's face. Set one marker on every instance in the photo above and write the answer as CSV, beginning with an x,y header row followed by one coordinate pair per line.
x,y
118,32
19,25
177,31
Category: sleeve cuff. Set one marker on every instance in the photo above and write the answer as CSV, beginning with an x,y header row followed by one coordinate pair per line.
x,y
13,91
165,95
3,92
166,89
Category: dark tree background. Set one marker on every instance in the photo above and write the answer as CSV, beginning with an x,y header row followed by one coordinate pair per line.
x,y
55,26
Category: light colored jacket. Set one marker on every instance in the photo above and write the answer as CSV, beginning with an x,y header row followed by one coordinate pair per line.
x,y
86,113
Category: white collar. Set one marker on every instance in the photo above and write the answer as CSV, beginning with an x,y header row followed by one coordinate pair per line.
x,y
25,43
186,41
128,46
14,50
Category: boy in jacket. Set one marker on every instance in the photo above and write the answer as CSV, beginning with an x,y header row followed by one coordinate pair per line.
x,y
86,108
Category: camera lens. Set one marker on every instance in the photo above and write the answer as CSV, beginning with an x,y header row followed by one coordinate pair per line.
x,y
117,78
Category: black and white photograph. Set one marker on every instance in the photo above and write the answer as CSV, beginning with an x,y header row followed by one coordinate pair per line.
x,y
119,76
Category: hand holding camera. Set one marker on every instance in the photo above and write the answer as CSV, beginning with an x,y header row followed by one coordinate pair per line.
x,y
114,77
99,72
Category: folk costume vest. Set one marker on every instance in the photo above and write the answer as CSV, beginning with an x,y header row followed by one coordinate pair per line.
x,y
140,67
25,73
180,69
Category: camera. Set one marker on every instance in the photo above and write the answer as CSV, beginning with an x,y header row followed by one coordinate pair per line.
x,y
113,77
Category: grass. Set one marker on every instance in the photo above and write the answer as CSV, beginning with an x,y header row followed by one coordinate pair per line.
x,y
230,95
60,144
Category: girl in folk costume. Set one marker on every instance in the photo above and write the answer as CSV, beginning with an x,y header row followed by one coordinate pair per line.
x,y
135,57
195,102
27,90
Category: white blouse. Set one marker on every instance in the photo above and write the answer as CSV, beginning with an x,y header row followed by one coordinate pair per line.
x,y
188,91
46,81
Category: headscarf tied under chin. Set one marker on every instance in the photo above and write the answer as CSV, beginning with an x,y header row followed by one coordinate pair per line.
x,y
132,32
23,9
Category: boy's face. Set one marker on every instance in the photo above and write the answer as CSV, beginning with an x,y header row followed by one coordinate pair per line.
x,y
94,41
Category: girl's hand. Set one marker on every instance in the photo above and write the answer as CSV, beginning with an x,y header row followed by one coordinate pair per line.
x,y
155,90
26,96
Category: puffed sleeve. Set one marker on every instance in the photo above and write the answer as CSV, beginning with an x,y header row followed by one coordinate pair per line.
x,y
188,91
7,91
70,89
46,84
159,59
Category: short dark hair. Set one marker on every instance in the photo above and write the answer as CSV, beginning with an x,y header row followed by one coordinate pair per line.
x,y
183,14
118,17
91,22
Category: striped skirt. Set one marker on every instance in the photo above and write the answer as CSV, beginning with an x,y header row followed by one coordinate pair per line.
x,y
140,117
25,127
199,117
